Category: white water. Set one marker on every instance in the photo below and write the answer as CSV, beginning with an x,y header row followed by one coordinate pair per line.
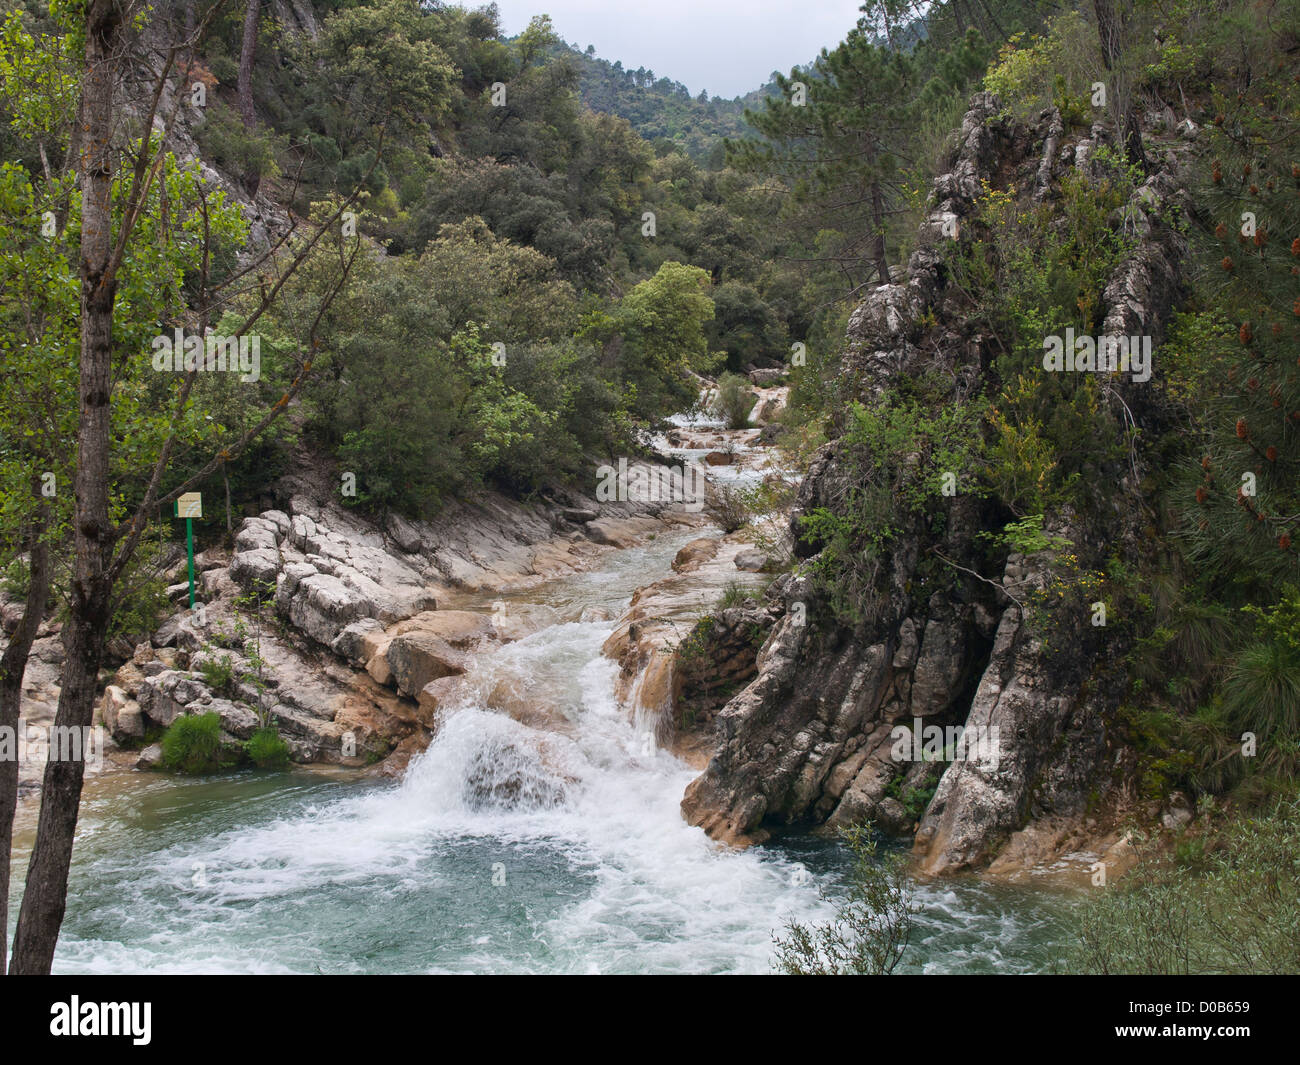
x,y
504,848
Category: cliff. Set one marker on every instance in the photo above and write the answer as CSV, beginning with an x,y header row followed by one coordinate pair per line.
x,y
984,646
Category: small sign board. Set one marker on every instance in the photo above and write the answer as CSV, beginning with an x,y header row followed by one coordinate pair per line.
x,y
190,505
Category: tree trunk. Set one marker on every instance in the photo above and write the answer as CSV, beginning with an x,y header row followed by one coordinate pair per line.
x,y
247,55
1110,30
878,241
13,665
46,890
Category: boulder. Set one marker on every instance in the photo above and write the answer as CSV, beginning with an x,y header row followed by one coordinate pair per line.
x,y
319,605
404,534
941,667
891,817
151,757
693,554
121,714
166,634
350,644
460,628
417,658
256,567
434,696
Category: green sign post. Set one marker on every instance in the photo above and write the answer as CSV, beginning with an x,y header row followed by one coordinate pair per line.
x,y
190,506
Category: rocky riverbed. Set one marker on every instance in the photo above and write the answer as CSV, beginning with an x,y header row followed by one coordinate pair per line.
x,y
353,637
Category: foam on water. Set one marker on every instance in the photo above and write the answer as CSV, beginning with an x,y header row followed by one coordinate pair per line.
x,y
582,826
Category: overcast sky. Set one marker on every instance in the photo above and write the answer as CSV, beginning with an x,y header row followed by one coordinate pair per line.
x,y
725,46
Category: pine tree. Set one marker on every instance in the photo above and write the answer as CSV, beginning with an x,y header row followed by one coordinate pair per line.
x,y
1244,510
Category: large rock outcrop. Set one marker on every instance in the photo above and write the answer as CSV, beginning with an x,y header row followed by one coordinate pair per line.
x,y
815,737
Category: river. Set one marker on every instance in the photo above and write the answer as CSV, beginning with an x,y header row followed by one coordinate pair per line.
x,y
503,849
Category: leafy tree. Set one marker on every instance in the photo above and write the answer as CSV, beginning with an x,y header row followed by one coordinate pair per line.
x,y
745,325
147,227
660,325
512,292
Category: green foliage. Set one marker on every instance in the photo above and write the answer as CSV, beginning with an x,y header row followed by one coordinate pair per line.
x,y
898,454
1031,273
659,109
1261,690
661,323
217,672
266,749
192,744
247,154
746,326
734,401
1232,906
872,924
736,594
141,598
1239,493
1057,68
1027,537
512,293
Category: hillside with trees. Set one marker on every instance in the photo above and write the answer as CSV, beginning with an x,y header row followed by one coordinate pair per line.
x,y
378,251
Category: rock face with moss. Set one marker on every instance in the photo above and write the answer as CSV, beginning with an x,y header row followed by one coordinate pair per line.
x,y
938,607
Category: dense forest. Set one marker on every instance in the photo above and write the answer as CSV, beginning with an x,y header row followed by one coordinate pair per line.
x,y
468,262
661,110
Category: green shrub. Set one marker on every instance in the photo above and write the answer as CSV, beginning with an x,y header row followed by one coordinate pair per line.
x,y
1230,904
266,749
1055,68
248,152
736,594
193,743
872,923
217,672
729,509
734,401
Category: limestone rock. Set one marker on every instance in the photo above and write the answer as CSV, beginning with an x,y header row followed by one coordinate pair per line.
x,y
417,658
752,561
151,757
807,740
